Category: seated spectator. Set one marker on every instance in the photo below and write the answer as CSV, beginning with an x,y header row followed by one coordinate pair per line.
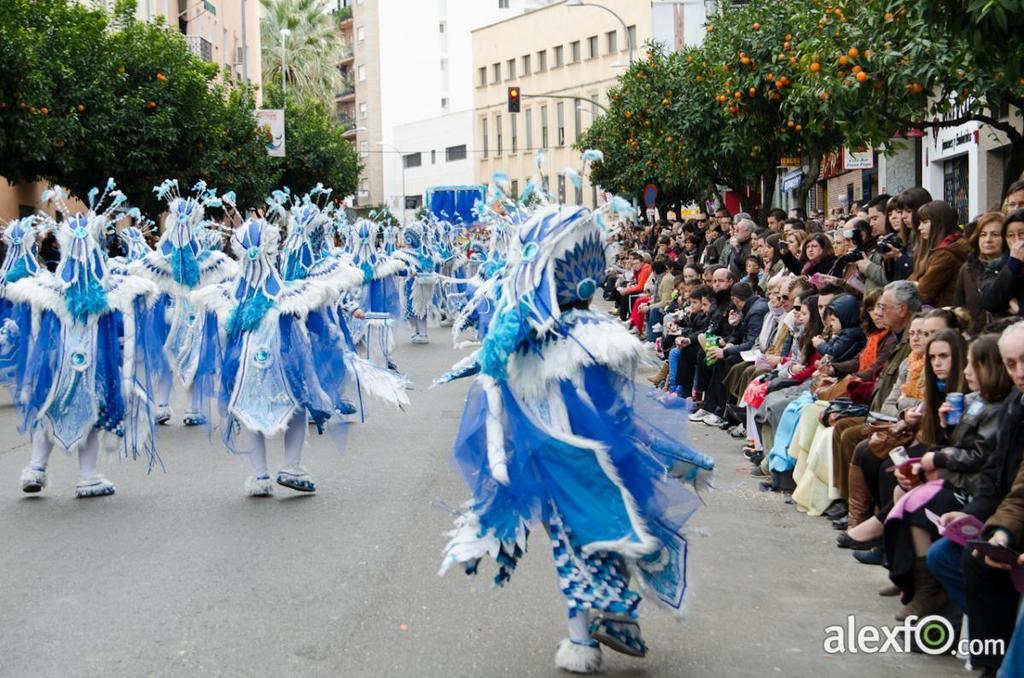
x,y
817,255
1002,292
940,255
986,245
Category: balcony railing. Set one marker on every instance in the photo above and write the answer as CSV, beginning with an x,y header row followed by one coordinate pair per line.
x,y
347,52
348,88
200,46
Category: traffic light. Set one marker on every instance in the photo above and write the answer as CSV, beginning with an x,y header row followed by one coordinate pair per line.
x,y
513,99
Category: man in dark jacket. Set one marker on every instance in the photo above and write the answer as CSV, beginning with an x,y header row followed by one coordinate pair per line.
x,y
991,597
738,248
746,319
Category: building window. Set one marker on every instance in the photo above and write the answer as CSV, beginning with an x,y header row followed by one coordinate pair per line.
x,y
631,37
483,129
593,196
433,157
364,148
574,51
362,110
412,160
542,61
502,4
444,66
543,126
362,73
529,128
612,40
593,51
545,183
510,67
482,76
495,73
360,33
453,153
526,64
956,185
413,202
444,104
559,56
577,108
497,133
579,194
441,27
515,132
560,117
515,189
561,188
593,107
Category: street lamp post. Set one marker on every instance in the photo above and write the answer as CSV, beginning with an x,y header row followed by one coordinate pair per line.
x,y
580,3
401,159
284,68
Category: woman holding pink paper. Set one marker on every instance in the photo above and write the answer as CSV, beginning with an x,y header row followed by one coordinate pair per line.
x,y
942,480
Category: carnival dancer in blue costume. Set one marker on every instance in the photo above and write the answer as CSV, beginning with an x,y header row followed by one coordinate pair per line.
x,y
19,262
421,261
179,265
552,438
306,255
379,298
81,378
275,368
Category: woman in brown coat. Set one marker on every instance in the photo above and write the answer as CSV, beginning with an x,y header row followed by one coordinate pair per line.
x,y
986,246
941,253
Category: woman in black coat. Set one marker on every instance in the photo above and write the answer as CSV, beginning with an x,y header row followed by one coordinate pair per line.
x,y
1002,292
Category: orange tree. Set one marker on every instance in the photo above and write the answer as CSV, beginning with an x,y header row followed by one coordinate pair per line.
x,y
921,64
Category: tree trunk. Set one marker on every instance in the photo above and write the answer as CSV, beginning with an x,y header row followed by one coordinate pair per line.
x,y
768,181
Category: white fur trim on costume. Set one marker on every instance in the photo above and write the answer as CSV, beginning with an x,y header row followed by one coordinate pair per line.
x,y
576,658
467,544
388,268
380,383
122,291
41,292
299,298
602,342
219,299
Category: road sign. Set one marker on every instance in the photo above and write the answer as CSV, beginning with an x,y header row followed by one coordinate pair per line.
x,y
650,195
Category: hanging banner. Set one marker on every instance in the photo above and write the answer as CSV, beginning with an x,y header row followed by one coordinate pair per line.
x,y
271,123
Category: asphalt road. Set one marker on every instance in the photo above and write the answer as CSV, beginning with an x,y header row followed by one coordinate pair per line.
x,y
181,574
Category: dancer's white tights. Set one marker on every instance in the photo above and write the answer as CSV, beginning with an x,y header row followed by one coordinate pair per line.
x,y
579,627
419,326
88,453
294,438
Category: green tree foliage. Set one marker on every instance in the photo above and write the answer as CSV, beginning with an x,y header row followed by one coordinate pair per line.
x,y
776,78
311,49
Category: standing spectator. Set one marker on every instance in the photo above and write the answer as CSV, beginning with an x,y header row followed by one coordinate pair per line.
x,y
738,246
775,219
818,255
1003,288
1014,197
986,245
940,255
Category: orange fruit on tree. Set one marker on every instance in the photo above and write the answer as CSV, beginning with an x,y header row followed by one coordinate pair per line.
x,y
815,67
789,37
737,94
669,139
790,124
757,26
80,107
664,102
823,96
709,29
792,61
799,128
856,69
843,60
786,45
44,110
752,92
745,61
862,76
853,52
628,114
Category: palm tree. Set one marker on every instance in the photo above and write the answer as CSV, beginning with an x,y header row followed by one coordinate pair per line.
x,y
313,47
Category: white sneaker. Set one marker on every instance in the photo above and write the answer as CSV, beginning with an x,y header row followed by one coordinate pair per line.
x,y
714,420
577,658
96,486
259,487
32,479
420,339
699,415
296,478
163,414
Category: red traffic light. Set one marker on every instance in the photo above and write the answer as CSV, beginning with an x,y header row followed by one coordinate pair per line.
x,y
513,100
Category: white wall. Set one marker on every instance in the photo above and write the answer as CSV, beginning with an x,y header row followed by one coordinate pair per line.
x,y
412,82
436,134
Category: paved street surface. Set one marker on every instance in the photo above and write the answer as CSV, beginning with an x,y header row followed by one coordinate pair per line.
x,y
181,574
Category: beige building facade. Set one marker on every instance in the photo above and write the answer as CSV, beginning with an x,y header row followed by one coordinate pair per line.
x,y
564,59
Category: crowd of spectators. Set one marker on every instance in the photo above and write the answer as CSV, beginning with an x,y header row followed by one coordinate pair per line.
x,y
872,364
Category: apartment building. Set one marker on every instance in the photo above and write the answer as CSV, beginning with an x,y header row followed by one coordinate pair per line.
x,y
564,59
412,93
